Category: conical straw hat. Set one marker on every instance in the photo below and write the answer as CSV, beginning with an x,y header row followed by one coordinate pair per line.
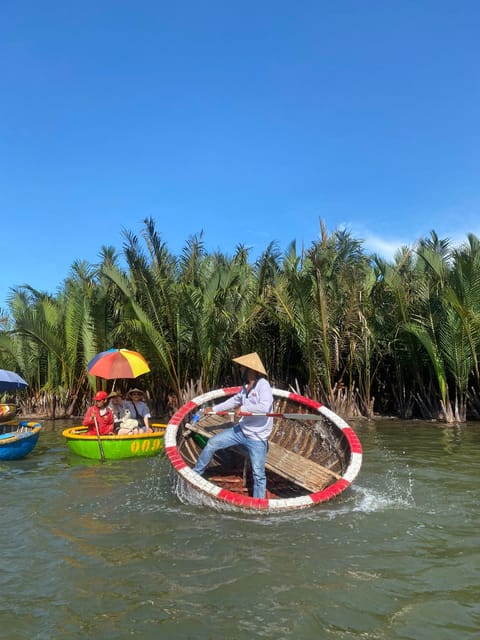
x,y
251,361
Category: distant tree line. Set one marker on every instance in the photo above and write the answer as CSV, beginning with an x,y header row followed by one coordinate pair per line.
x,y
362,335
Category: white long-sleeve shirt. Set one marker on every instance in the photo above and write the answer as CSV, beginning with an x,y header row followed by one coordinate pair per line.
x,y
259,400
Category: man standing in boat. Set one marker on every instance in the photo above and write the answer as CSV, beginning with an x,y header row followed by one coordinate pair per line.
x,y
251,432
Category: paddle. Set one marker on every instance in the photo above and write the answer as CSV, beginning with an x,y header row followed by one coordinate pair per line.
x,y
100,445
288,416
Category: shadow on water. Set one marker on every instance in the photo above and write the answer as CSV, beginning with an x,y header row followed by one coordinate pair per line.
x,y
108,550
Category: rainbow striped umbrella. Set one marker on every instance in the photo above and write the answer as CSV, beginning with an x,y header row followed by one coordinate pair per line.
x,y
118,363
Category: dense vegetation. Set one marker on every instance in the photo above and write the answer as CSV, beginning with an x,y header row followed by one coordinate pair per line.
x,y
356,332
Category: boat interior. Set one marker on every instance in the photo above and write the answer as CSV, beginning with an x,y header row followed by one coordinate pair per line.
x,y
304,456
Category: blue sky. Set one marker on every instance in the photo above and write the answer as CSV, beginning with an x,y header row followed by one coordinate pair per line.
x,y
248,120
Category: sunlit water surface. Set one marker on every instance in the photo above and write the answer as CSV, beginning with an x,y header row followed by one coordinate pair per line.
x,y
108,551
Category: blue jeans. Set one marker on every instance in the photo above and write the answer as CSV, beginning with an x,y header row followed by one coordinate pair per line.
x,y
257,450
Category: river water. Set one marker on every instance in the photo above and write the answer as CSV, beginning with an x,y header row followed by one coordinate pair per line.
x,y
108,551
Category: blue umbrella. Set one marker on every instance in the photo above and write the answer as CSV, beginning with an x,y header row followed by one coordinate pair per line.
x,y
11,381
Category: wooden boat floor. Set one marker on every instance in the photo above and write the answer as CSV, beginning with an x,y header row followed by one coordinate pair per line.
x,y
304,472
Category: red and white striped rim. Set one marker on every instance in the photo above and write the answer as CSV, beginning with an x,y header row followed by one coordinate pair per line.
x,y
264,504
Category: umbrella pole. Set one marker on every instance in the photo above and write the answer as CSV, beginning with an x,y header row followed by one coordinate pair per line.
x,y
100,445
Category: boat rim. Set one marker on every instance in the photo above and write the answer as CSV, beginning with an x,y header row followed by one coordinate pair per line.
x,y
79,433
16,434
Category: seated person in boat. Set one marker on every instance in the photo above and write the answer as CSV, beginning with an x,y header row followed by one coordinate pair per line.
x,y
117,405
139,409
251,432
99,415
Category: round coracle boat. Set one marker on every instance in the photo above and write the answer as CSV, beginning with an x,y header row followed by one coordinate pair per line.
x,y
313,455
17,440
7,412
115,447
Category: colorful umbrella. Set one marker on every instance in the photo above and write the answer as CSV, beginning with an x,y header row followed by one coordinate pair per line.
x,y
118,363
11,381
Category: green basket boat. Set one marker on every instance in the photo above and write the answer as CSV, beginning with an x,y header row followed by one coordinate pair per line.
x,y
115,447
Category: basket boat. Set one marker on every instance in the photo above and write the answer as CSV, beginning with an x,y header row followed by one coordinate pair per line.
x,y
115,447
18,442
313,455
7,412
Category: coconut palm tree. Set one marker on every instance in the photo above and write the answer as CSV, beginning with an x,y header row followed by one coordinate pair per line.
x,y
394,302
441,328
149,305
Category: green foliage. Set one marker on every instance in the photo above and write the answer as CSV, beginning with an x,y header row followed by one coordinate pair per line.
x,y
349,329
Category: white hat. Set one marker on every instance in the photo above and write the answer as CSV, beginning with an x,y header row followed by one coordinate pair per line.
x,y
131,391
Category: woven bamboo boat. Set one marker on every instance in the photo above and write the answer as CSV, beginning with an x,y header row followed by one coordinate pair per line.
x,y
18,440
313,456
7,412
115,447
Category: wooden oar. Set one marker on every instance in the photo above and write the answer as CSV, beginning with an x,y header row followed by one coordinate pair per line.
x,y
100,445
288,416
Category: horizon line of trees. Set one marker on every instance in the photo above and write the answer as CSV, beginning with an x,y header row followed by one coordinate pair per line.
x,y
360,334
